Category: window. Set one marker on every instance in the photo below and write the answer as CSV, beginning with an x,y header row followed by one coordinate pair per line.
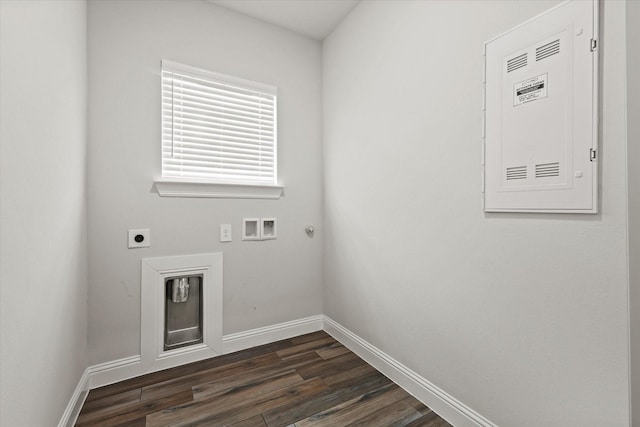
x,y
217,129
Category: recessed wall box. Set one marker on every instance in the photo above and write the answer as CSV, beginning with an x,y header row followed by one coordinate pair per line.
x,y
541,113
250,228
182,311
268,228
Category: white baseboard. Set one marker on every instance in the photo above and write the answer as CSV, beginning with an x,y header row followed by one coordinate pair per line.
x,y
448,407
114,371
269,334
131,367
72,410
445,405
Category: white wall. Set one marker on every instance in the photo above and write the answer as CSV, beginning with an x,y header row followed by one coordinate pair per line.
x,y
523,317
43,78
633,160
264,282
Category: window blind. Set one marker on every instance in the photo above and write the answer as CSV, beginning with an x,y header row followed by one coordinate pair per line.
x,y
217,128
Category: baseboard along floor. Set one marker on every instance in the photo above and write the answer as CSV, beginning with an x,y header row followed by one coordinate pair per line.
x,y
308,380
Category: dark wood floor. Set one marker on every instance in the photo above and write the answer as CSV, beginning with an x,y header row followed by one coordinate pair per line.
x,y
310,380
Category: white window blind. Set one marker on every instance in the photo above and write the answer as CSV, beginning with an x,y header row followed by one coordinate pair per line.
x,y
217,128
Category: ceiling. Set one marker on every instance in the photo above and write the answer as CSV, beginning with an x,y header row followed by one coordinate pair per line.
x,y
312,18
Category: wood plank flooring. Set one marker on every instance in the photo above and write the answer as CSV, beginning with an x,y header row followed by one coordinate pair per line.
x,y
310,380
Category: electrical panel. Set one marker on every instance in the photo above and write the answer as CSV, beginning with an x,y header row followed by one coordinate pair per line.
x,y
541,113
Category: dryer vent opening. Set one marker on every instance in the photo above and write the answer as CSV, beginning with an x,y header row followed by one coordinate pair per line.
x,y
183,311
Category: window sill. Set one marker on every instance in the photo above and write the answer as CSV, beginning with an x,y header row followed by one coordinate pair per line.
x,y
187,188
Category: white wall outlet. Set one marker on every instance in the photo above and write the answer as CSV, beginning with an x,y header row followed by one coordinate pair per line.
x,y
250,228
268,228
139,238
225,232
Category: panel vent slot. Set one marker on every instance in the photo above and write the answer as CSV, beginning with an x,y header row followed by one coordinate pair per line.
x,y
548,50
517,62
518,172
546,170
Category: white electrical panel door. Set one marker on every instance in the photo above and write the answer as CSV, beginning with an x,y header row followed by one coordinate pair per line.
x,y
540,136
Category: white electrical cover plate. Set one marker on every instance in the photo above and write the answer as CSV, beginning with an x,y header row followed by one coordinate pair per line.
x,y
541,113
139,238
225,232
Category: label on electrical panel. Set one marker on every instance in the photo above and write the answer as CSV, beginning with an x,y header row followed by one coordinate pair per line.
x,y
530,90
